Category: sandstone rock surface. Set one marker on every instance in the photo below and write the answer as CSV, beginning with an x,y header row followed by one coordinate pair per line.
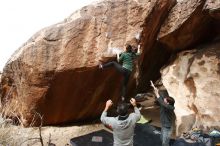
x,y
56,72
193,80
0,84
154,54
189,23
213,7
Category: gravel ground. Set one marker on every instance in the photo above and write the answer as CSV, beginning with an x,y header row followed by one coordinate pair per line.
x,y
60,135
19,136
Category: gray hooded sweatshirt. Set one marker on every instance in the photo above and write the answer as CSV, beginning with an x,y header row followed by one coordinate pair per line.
x,y
123,130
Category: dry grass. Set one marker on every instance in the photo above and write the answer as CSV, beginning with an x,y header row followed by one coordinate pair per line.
x,y
5,132
17,135
12,135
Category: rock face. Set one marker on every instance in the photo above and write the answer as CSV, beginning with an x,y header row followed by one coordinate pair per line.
x,y
151,61
0,84
190,23
193,80
213,7
56,72
186,24
190,77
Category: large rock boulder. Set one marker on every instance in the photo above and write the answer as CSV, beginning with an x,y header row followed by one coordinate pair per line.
x,y
154,53
190,22
193,80
56,72
0,84
213,6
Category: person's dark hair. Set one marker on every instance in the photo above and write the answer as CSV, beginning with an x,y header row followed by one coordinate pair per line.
x,y
122,109
134,49
170,100
163,93
128,48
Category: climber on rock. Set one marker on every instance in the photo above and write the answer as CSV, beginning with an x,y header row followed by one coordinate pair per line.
x,y
125,68
167,116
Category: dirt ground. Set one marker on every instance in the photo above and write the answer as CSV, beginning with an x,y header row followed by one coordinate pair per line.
x,y
61,135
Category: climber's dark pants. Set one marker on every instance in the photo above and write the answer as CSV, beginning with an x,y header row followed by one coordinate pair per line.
x,y
125,72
